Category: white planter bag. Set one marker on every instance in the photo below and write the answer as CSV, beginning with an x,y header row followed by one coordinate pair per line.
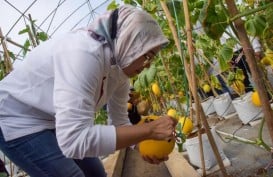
x,y
193,150
246,110
207,105
223,105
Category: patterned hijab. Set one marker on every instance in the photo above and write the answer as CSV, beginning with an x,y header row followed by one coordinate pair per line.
x,y
137,34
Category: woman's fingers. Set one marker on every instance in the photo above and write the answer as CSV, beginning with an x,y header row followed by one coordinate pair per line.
x,y
154,160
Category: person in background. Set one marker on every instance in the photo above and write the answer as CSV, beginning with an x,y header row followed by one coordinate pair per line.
x,y
48,103
238,60
132,106
216,71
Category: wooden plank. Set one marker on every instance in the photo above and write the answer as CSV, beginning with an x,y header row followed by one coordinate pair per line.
x,y
113,164
178,166
135,166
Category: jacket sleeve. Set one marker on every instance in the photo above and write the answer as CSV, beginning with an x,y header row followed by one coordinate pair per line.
x,y
78,69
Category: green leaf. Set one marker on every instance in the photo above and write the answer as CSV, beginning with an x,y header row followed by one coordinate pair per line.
x,y
268,36
250,27
226,53
176,9
143,78
26,30
260,24
113,5
199,4
269,15
151,74
151,8
231,77
239,75
42,36
11,54
131,2
195,16
255,26
137,85
215,82
213,18
3,174
223,64
26,46
199,70
231,42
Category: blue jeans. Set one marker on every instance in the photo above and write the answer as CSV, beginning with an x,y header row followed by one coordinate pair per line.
x,y
39,155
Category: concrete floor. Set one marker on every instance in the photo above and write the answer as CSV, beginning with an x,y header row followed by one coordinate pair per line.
x,y
247,160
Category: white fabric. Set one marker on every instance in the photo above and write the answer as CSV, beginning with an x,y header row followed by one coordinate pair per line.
x,y
47,91
256,45
137,38
137,34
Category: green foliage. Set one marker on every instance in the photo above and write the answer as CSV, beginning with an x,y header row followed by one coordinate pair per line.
x,y
269,15
137,85
3,174
268,36
39,36
225,54
2,69
26,47
207,45
151,72
237,75
101,117
113,5
131,2
42,36
213,18
215,83
11,55
25,30
145,79
177,11
255,26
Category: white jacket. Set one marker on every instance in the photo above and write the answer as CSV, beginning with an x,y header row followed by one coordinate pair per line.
x,y
59,86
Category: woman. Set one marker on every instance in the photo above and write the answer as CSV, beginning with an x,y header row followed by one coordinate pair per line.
x,y
48,103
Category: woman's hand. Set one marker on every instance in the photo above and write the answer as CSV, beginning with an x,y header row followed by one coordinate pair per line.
x,y
163,128
159,129
154,160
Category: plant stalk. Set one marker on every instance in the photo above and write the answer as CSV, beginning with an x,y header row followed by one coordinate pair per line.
x,y
199,111
7,60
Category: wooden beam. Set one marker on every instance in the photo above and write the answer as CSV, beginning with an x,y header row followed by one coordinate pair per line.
x,y
178,166
113,164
